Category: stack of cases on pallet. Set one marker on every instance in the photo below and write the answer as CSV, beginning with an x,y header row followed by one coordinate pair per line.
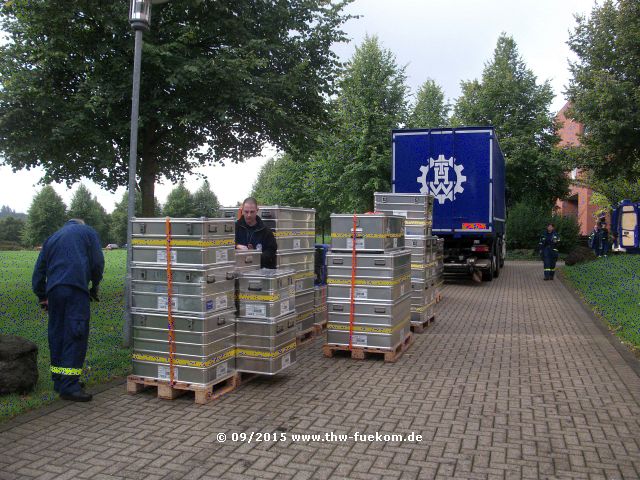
x,y
295,232
266,324
417,209
382,284
320,288
439,260
202,302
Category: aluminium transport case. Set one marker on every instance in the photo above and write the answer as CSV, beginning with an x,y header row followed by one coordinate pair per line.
x,y
374,232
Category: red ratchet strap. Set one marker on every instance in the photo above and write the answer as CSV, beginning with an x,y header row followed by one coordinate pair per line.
x,y
352,309
172,333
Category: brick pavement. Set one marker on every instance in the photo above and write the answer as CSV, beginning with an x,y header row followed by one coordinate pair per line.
x,y
513,381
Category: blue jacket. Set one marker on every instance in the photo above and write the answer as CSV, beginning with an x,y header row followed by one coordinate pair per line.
x,y
261,238
549,240
72,256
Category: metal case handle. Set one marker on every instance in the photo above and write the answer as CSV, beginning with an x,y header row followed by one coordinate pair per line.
x,y
255,286
291,323
338,308
279,328
142,320
337,261
143,228
143,275
380,310
189,229
222,320
380,261
228,228
187,276
211,279
213,228
190,324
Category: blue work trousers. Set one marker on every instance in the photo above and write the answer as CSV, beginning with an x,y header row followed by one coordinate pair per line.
x,y
549,257
69,314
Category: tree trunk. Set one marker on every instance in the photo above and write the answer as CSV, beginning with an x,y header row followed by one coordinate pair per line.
x,y
148,173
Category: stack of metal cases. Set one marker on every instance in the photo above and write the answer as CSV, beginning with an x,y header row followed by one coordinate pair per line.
x,y
266,325
439,262
418,211
202,302
295,231
382,286
320,304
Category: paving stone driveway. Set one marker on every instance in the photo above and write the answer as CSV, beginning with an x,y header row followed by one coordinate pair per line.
x,y
513,381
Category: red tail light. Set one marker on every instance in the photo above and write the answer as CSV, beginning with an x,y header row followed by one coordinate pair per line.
x,y
480,248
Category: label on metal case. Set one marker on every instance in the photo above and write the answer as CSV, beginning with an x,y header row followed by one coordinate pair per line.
x,y
296,243
400,213
163,303
359,242
161,256
221,256
209,304
359,340
164,372
221,302
284,307
286,360
360,293
256,310
299,285
222,370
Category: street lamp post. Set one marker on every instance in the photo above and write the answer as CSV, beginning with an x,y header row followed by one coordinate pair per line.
x,y
140,19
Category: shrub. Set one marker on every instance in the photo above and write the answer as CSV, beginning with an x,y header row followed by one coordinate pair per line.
x,y
579,255
569,230
525,221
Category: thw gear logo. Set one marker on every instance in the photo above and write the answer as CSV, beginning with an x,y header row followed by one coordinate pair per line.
x,y
441,187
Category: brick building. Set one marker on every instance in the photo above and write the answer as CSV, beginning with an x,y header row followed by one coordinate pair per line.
x,y
578,203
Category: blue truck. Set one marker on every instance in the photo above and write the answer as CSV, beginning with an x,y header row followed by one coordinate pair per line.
x,y
463,168
625,226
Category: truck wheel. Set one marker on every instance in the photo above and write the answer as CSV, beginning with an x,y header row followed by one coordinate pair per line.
x,y
487,275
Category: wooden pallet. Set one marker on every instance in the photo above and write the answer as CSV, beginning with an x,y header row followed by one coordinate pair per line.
x,y
419,327
360,353
203,393
320,328
303,338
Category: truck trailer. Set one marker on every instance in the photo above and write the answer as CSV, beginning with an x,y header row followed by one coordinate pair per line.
x,y
464,169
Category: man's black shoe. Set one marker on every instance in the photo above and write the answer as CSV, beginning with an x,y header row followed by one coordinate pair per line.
x,y
79,396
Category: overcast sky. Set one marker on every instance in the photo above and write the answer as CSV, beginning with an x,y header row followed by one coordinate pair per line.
x,y
447,40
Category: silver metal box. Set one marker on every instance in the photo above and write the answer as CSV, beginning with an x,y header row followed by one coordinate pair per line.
x,y
196,323
184,228
266,281
222,299
186,343
374,233
299,261
386,314
266,361
146,253
368,335
185,280
265,327
262,309
247,260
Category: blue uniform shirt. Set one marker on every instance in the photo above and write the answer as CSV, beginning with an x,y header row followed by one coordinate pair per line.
x,y
72,256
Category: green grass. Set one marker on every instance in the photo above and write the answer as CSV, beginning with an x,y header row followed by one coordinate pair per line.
x,y
611,286
20,315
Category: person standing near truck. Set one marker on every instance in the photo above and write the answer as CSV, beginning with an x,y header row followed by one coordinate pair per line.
x,y
68,261
253,234
548,248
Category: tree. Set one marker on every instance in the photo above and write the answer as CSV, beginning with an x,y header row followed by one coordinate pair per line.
x,y
509,98
205,202
11,229
608,193
354,157
179,203
605,89
118,218
6,211
430,109
86,206
46,215
281,182
227,75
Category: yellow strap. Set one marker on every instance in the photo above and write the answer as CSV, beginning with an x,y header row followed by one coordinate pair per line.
x,y
157,242
252,296
367,235
184,362
425,223
377,283
66,370
303,275
244,352
305,315
291,233
363,329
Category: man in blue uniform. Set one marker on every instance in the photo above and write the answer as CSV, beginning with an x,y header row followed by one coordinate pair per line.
x,y
548,248
69,260
252,234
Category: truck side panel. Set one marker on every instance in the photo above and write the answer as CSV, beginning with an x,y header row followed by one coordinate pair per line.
x,y
499,208
453,165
